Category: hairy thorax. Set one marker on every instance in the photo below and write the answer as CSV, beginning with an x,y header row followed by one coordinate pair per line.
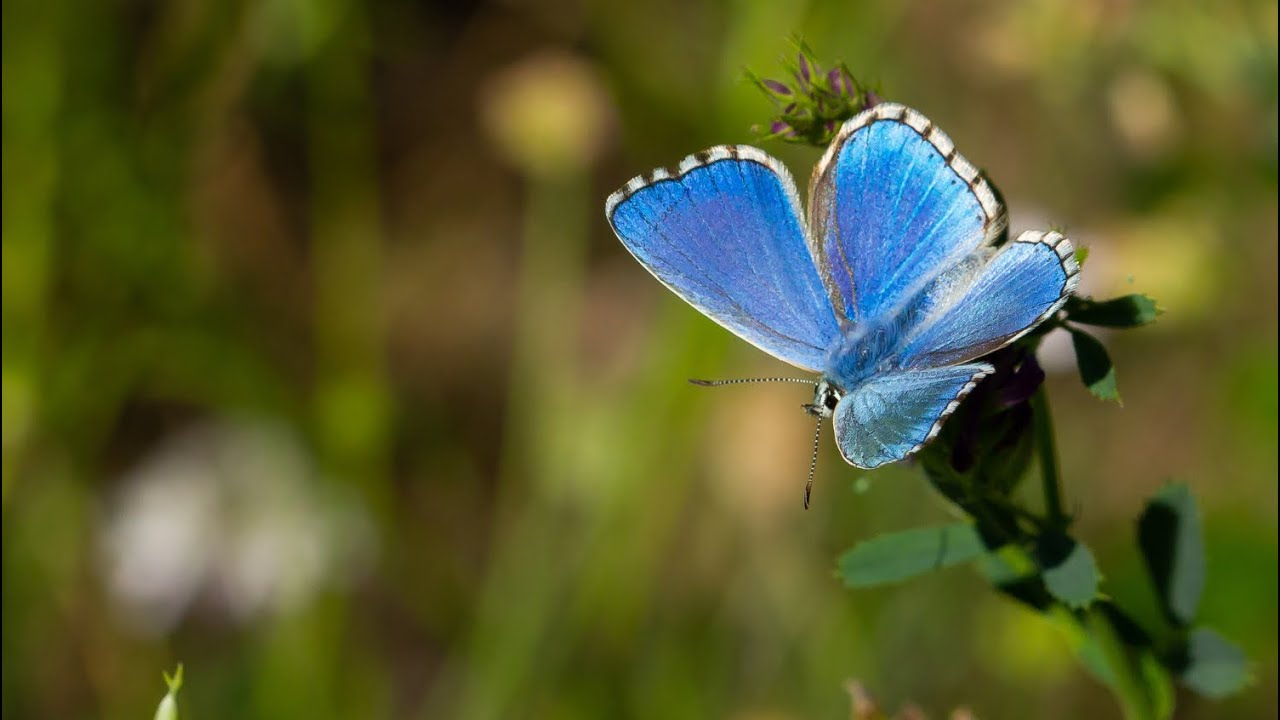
x,y
875,346
865,350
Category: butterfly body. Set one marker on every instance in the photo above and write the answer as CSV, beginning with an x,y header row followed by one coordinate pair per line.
x,y
891,285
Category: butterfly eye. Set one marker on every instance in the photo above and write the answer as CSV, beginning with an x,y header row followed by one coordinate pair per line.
x,y
830,401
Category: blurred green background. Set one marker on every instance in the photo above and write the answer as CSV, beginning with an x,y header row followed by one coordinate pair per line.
x,y
323,374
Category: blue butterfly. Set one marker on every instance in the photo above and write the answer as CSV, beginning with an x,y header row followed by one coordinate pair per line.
x,y
891,286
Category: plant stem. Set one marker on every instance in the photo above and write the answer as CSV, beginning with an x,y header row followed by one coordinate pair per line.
x,y
1048,458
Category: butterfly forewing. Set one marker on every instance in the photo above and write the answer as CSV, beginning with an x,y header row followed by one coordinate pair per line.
x,y
892,205
724,232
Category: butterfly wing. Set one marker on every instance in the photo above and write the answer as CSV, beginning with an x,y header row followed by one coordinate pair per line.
x,y
892,415
724,232
892,204
1023,284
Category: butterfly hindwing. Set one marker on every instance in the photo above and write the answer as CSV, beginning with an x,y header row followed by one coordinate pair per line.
x,y
724,232
891,204
1024,283
891,415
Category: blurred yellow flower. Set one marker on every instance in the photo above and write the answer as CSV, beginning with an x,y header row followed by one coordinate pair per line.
x,y
547,114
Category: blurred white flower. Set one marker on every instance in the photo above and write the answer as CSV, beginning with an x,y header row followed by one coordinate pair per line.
x,y
233,515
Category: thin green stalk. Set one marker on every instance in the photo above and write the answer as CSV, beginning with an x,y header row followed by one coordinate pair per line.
x,y
1124,679
1047,451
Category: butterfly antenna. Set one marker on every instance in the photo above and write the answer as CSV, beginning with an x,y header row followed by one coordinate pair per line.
x,y
740,381
813,464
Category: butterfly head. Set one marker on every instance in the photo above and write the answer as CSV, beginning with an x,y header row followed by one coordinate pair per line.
x,y
826,396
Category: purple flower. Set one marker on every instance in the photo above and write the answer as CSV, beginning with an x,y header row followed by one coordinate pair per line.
x,y
997,413
835,81
814,102
805,76
778,127
776,87
1021,384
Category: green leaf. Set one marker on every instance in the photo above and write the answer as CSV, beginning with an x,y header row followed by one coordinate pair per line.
x,y
1172,542
1122,312
1013,571
1070,574
1096,370
1007,566
898,556
1082,254
1215,667
168,708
